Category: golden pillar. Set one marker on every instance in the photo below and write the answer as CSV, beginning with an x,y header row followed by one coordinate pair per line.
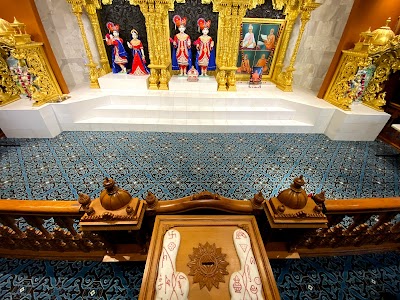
x,y
91,7
291,17
157,27
230,17
284,80
77,6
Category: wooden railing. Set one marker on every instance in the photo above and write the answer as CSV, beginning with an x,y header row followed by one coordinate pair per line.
x,y
49,229
46,229
356,226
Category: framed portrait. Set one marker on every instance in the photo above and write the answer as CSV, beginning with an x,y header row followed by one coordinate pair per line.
x,y
259,45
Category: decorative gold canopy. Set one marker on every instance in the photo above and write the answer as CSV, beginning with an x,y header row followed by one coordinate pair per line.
x,y
379,49
382,35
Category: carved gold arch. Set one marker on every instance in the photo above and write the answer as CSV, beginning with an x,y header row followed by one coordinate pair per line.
x,y
231,14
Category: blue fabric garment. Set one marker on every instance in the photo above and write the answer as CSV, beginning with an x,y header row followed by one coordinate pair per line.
x,y
121,50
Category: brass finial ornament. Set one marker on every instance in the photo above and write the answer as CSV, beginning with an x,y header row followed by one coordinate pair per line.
x,y
294,197
292,208
112,197
115,209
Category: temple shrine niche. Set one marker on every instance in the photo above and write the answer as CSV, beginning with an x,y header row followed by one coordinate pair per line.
x,y
224,58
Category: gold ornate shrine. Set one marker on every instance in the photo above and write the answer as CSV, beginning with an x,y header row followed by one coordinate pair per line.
x,y
230,17
376,55
206,245
37,80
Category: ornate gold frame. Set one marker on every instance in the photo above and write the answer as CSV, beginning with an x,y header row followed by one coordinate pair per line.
x,y
282,22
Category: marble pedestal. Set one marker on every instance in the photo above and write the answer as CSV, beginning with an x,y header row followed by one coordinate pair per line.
x,y
205,84
123,81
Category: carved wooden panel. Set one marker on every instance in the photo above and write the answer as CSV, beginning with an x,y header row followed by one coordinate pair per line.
x,y
196,233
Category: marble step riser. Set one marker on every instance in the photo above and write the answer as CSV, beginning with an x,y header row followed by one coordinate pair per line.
x,y
189,128
197,101
176,114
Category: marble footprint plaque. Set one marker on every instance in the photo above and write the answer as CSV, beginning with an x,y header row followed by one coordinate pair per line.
x,y
246,283
171,284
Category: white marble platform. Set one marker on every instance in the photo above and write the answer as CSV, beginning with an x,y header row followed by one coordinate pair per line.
x,y
205,84
122,81
248,110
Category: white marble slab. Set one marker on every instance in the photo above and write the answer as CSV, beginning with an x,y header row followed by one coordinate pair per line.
x,y
123,81
204,85
264,110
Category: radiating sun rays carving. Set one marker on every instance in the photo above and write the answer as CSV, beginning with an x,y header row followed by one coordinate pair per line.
x,y
208,266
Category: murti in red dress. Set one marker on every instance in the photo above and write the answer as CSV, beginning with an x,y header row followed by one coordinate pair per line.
x,y
181,59
138,58
204,45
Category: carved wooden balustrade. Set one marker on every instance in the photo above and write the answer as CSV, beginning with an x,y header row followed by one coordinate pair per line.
x,y
46,229
49,229
355,226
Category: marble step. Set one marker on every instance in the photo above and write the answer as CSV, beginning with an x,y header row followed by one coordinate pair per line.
x,y
191,125
192,112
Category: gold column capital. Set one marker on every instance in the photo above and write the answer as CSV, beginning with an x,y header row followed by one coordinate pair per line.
x,y
77,6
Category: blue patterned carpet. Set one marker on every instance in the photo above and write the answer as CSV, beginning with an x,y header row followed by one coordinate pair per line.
x,y
347,277
173,165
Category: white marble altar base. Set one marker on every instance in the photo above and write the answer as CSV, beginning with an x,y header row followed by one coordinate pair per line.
x,y
122,81
205,84
262,110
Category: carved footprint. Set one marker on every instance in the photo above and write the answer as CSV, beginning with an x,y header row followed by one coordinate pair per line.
x,y
246,283
171,284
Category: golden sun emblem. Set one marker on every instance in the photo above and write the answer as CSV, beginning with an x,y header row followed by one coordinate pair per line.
x,y
208,265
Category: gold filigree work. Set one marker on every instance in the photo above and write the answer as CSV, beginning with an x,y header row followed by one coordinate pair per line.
x,y
17,42
208,266
9,91
379,48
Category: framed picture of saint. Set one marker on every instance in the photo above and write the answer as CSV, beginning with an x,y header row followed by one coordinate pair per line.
x,y
259,46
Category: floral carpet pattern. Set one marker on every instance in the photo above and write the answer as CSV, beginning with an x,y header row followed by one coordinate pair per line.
x,y
372,276
174,165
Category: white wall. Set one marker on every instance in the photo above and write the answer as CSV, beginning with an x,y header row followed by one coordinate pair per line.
x,y
318,45
64,35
